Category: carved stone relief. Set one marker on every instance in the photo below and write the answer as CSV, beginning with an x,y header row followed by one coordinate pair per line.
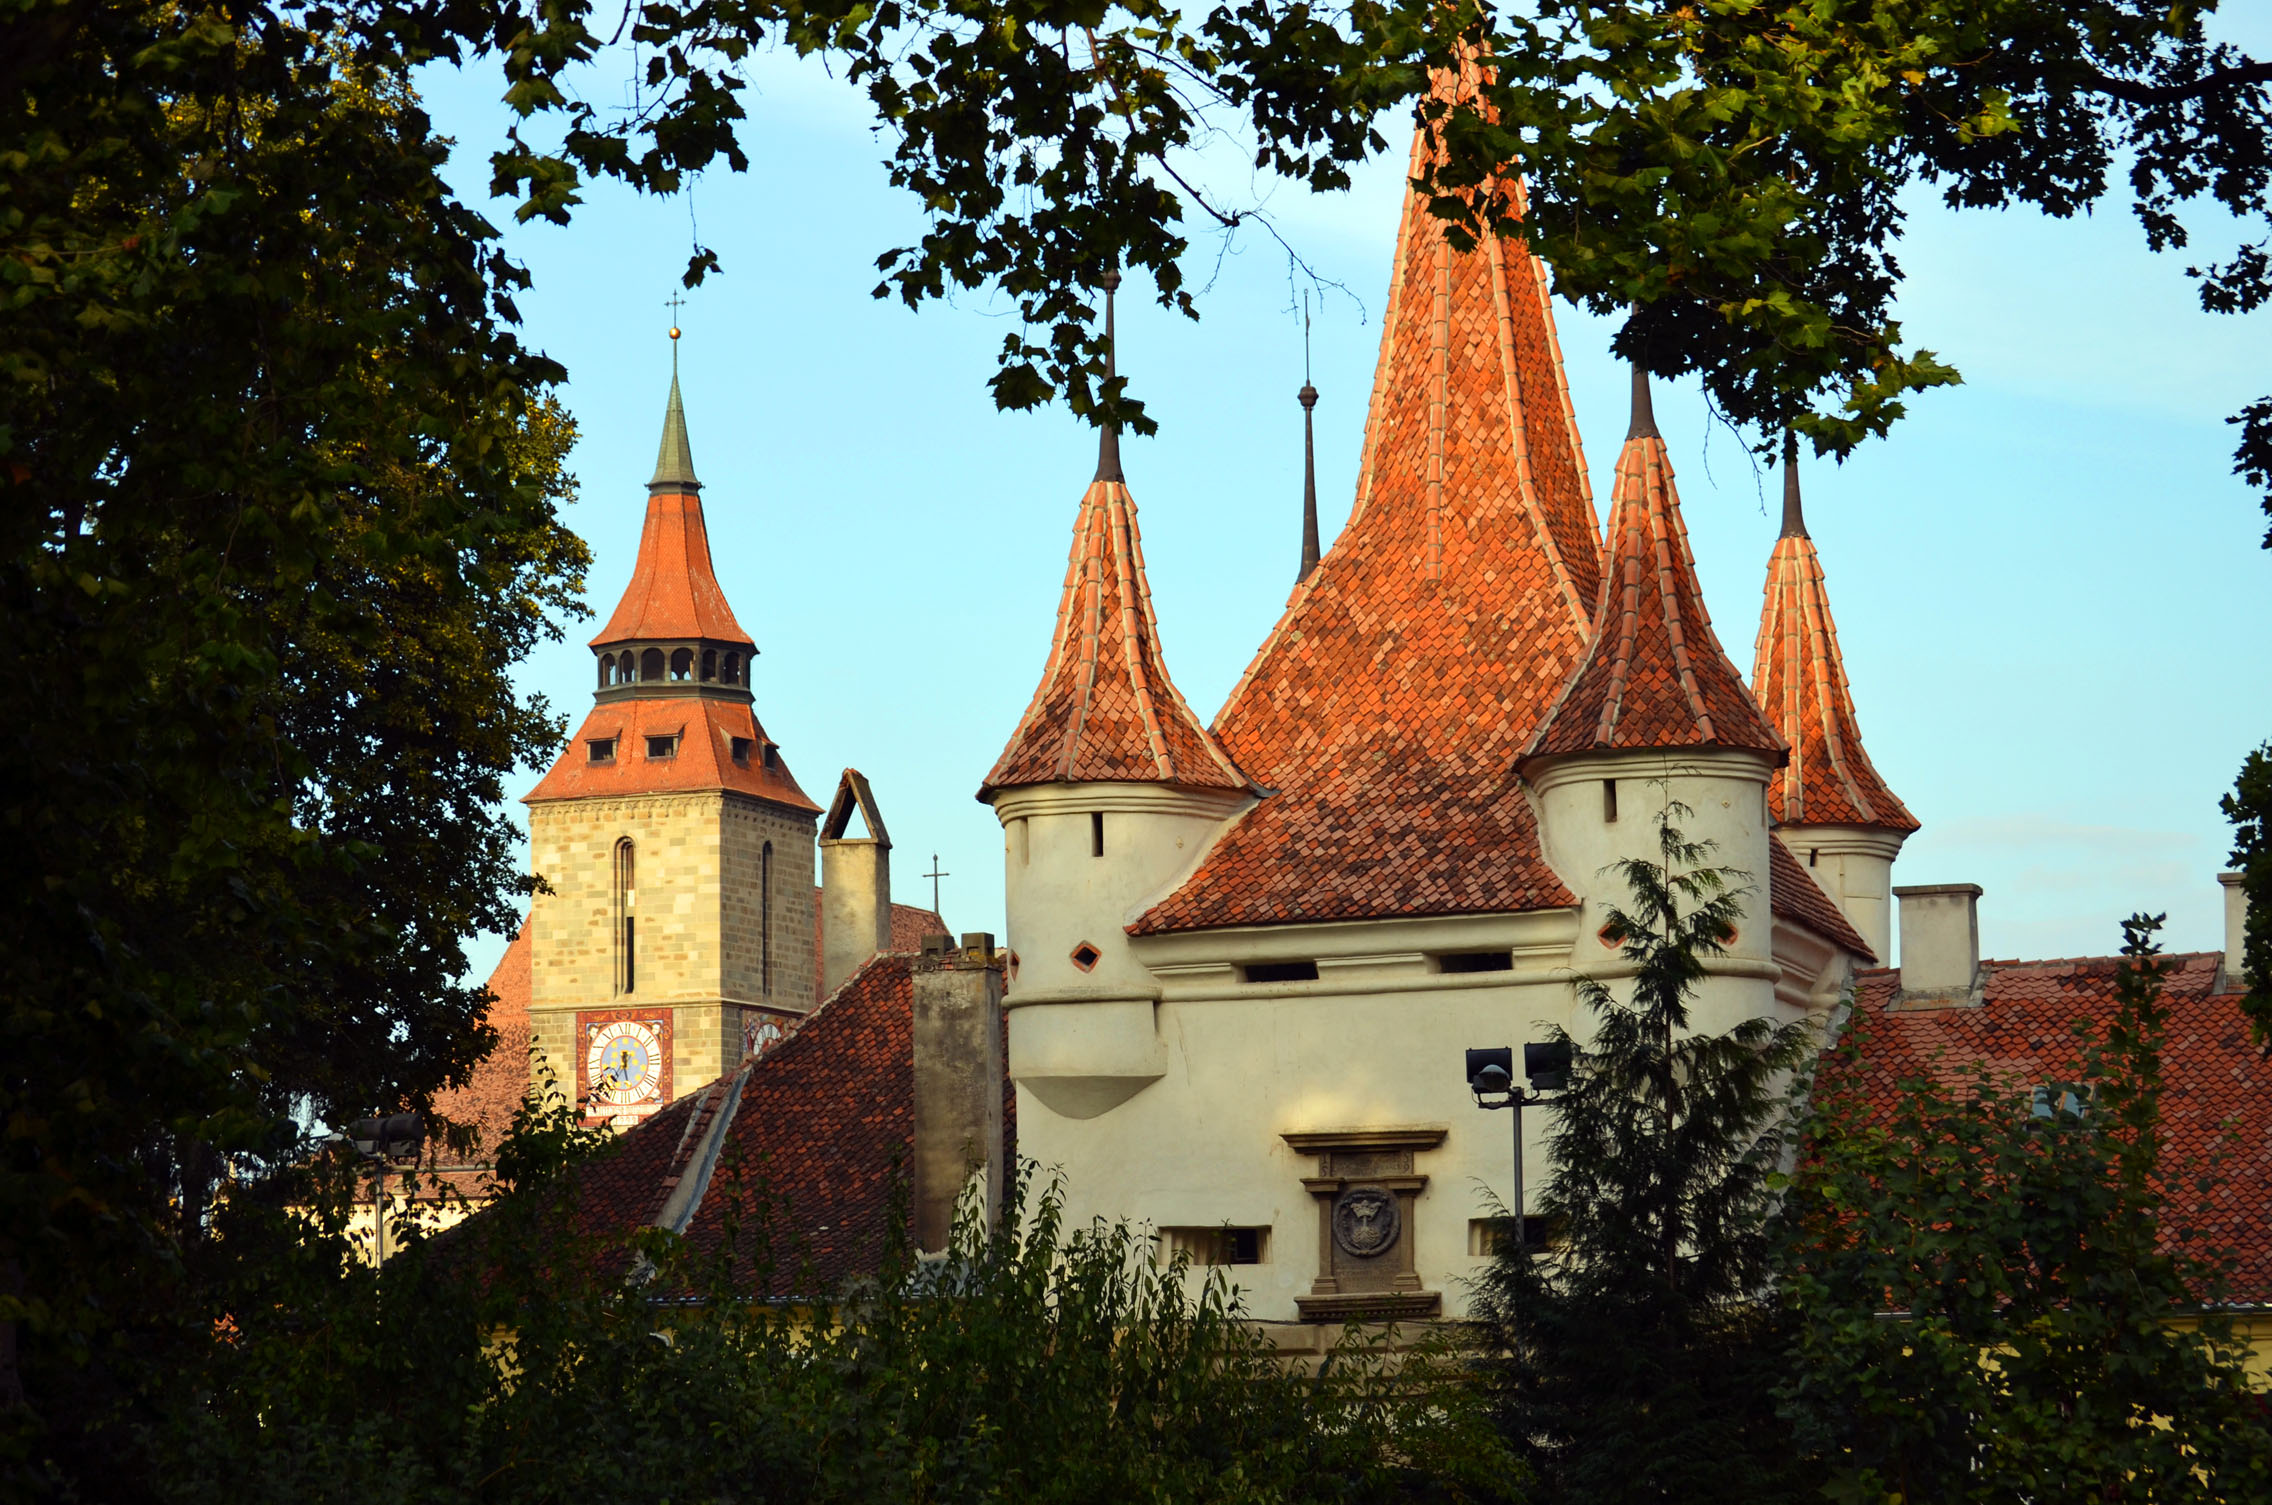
x,y
1365,1189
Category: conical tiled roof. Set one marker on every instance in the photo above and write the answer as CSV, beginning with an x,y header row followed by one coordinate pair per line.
x,y
1386,707
1799,678
1655,675
1106,709
674,592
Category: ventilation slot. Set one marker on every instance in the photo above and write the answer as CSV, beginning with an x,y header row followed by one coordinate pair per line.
x,y
1280,972
1476,961
1086,956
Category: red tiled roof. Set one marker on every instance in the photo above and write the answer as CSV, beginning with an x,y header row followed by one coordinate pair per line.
x,y
2218,1086
909,925
673,593
823,1119
705,729
1386,708
1792,894
488,1100
1106,709
1799,679
1655,675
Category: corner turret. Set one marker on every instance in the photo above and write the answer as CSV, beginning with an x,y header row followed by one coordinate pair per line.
x,y
1109,791
1655,714
1829,804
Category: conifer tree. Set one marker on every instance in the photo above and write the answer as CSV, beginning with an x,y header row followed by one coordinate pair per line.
x,y
1639,1349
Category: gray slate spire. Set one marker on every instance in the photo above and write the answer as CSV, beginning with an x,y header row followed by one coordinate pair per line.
x,y
674,462
1794,520
1307,397
1108,442
1644,424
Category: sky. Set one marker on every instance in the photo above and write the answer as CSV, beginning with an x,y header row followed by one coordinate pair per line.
x,y
2047,582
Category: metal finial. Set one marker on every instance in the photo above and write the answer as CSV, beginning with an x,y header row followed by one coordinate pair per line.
x,y
1794,519
1108,441
674,458
1644,425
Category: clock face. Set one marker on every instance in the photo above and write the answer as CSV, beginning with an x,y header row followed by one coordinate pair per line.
x,y
623,1064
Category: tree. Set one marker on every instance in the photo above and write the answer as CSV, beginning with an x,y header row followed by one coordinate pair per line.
x,y
2249,808
1642,1346
1997,1297
281,515
511,1360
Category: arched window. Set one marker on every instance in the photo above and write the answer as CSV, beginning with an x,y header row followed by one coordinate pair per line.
x,y
682,664
651,664
765,919
626,922
607,670
709,664
733,670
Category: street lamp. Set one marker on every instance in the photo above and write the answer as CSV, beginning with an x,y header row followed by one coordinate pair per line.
x,y
398,1138
1491,1075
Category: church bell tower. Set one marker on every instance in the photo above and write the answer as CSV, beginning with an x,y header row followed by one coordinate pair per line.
x,y
675,844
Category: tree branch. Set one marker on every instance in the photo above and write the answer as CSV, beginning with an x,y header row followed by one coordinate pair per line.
x,y
2213,82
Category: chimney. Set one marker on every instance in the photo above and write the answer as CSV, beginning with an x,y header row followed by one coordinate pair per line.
x,y
1940,944
958,1081
2236,927
855,883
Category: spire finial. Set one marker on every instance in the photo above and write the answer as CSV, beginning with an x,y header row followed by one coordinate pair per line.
x,y
674,460
1308,399
1794,520
1644,424
1108,441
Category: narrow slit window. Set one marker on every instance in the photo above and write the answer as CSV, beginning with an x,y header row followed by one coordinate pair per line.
x,y
1476,961
1096,833
1280,972
1609,801
765,919
626,924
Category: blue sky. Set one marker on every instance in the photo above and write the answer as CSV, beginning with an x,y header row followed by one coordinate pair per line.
x,y
2047,582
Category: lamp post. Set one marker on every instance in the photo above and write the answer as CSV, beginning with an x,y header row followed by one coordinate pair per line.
x,y
397,1139
1491,1075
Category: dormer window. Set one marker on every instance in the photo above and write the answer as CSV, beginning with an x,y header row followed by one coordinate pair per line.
x,y
741,749
600,749
663,747
772,756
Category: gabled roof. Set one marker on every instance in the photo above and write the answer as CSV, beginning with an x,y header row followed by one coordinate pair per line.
x,y
2217,1094
705,729
674,592
1385,709
1799,679
1655,675
1106,709
493,1093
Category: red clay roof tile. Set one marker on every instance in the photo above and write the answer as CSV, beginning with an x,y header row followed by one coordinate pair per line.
x,y
1792,894
704,758
1799,679
673,593
1386,708
1655,675
2218,1086
490,1097
1106,709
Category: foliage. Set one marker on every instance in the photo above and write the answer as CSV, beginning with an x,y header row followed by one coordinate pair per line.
x,y
1641,1350
280,517
2249,808
512,1360
1996,1299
